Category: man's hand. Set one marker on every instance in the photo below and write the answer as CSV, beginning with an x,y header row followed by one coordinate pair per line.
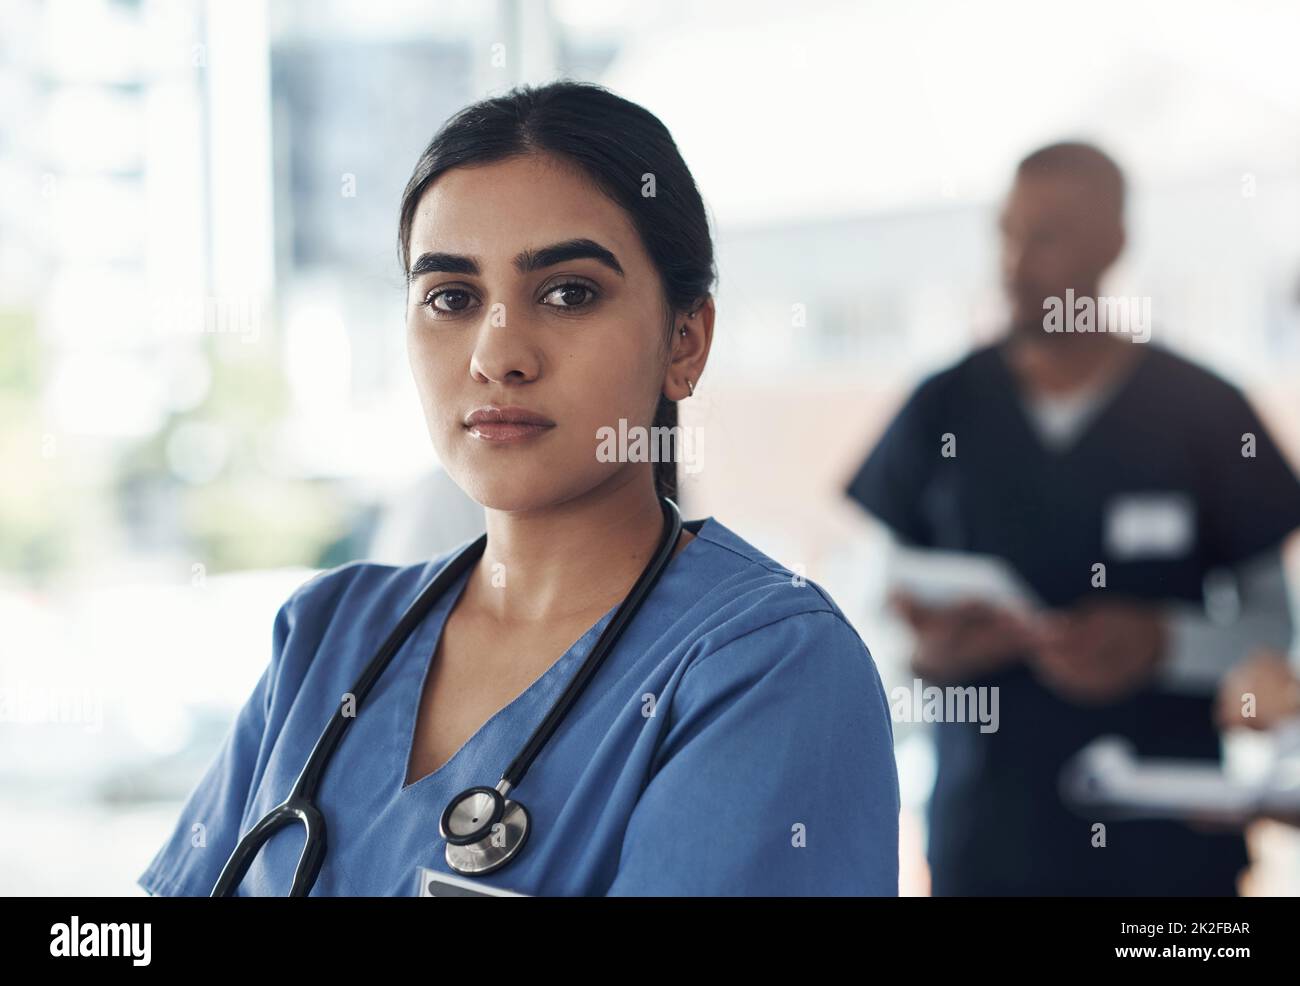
x,y
1099,652
957,642
1267,677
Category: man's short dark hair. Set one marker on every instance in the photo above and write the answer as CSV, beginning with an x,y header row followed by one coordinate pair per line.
x,y
1086,163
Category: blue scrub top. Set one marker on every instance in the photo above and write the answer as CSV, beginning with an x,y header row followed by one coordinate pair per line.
x,y
1171,435
736,741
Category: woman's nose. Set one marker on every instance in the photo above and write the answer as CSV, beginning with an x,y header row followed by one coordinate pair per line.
x,y
505,350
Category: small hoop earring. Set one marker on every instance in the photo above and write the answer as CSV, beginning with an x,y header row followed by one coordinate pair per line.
x,y
690,386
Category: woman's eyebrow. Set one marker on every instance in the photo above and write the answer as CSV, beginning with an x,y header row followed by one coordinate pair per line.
x,y
447,263
528,260
558,253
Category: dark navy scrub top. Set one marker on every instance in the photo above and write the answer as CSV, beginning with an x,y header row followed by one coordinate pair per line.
x,y
736,741
1169,439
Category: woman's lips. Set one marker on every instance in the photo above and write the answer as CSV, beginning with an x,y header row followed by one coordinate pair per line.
x,y
506,424
505,431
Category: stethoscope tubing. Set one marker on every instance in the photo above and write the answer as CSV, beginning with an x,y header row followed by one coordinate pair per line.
x,y
300,805
309,780
514,774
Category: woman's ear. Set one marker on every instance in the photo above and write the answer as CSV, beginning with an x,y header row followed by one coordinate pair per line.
x,y
691,339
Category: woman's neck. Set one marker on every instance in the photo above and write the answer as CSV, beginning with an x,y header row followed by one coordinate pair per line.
x,y
577,557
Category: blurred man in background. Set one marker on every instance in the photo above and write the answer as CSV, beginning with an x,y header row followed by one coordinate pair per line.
x,y
1112,476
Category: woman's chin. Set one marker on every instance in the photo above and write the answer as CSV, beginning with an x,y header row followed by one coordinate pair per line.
x,y
519,490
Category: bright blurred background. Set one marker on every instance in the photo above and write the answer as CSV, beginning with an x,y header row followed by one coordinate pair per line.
x,y
204,394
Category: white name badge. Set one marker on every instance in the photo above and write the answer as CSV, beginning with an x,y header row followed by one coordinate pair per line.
x,y
1150,525
435,884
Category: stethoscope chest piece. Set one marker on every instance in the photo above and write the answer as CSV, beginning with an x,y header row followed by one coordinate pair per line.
x,y
484,830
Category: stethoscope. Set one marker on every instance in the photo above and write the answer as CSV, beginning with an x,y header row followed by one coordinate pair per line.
x,y
484,829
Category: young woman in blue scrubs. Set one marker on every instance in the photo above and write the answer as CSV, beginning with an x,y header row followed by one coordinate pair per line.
x,y
737,740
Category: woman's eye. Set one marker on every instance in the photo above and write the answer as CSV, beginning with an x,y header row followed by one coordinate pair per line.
x,y
569,296
449,300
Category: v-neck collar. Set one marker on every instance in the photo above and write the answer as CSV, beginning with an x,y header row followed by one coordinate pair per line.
x,y
1113,393
426,640
429,648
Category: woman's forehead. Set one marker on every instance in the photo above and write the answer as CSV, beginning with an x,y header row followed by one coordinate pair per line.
x,y
496,211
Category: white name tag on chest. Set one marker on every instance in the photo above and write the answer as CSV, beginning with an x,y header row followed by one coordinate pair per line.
x,y
1150,525
435,884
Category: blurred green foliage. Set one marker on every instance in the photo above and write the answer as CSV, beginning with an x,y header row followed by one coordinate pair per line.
x,y
248,515
36,498
63,498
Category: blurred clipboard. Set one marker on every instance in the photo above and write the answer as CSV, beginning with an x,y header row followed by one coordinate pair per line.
x,y
1107,776
945,578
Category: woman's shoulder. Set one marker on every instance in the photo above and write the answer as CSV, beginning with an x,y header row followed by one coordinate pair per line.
x,y
772,655
740,593
341,612
738,576
366,583
356,593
